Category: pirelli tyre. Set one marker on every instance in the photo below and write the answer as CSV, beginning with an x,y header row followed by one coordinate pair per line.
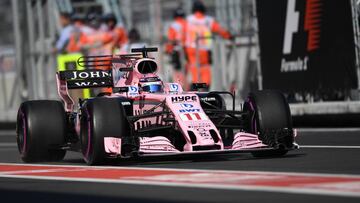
x,y
101,117
269,117
41,130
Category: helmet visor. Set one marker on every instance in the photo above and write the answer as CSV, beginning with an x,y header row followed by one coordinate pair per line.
x,y
152,88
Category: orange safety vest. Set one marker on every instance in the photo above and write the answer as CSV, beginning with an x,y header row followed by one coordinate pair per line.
x,y
198,32
176,35
99,43
76,41
202,26
120,36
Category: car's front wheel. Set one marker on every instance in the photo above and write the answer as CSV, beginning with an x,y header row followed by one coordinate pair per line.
x,y
269,117
100,118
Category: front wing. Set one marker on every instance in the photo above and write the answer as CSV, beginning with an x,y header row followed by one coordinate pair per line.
x,y
161,146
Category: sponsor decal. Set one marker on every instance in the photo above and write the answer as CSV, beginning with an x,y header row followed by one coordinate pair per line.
x,y
174,87
186,105
189,110
87,84
151,79
208,99
200,125
193,116
183,99
133,90
76,75
125,103
203,133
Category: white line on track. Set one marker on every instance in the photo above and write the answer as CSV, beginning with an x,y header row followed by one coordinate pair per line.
x,y
8,144
329,147
7,133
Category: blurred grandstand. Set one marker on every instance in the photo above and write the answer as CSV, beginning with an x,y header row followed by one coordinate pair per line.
x,y
30,28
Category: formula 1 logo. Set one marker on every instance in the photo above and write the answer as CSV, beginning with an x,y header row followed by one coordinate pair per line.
x,y
291,26
311,24
174,87
313,11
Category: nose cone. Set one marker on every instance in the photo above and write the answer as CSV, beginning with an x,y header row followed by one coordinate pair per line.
x,y
203,137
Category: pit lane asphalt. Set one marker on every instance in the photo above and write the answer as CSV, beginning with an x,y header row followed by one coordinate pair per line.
x,y
336,158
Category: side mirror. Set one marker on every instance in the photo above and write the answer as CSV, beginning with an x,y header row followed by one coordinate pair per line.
x,y
120,89
197,86
126,69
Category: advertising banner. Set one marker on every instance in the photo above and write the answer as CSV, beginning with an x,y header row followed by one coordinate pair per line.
x,y
307,44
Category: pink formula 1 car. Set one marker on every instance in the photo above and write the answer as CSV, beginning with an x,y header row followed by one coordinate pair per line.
x,y
143,116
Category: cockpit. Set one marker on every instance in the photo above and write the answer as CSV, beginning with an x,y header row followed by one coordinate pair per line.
x,y
151,85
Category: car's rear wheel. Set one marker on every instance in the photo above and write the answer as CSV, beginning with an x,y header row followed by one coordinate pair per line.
x,y
101,117
269,117
41,130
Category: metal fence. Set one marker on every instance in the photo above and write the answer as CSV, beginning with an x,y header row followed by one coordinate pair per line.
x,y
9,99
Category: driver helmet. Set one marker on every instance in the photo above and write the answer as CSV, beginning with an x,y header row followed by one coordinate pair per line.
x,y
151,85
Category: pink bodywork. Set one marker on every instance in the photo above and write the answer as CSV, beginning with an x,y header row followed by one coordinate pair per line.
x,y
185,108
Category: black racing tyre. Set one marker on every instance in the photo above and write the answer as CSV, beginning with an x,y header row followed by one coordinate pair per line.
x,y
269,112
41,130
101,117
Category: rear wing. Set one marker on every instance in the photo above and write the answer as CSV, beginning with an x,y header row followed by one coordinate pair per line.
x,y
78,79
97,71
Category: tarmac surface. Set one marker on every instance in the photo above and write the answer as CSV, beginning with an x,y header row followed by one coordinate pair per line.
x,y
325,169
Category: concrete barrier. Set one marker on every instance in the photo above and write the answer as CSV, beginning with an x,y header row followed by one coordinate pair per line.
x,y
326,114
